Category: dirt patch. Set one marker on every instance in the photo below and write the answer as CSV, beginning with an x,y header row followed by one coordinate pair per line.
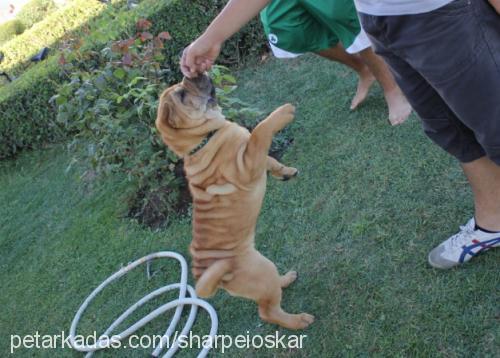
x,y
155,208
278,149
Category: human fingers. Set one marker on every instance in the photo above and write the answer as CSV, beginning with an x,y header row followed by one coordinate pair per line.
x,y
188,63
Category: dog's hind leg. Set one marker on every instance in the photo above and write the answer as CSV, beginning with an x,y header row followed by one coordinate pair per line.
x,y
270,311
209,281
270,303
257,278
268,295
279,171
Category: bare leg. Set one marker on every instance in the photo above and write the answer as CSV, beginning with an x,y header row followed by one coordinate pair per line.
x,y
484,178
399,108
366,78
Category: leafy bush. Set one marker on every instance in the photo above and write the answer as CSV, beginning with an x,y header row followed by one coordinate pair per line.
x,y
28,120
35,11
10,29
111,111
114,106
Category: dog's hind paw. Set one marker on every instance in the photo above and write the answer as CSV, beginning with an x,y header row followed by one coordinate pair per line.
x,y
300,321
305,320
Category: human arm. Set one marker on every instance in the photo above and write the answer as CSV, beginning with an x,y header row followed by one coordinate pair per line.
x,y
201,53
495,4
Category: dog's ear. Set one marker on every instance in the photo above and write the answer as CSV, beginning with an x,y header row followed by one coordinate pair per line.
x,y
166,113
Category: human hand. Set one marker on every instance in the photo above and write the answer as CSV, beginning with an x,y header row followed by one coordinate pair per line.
x,y
199,56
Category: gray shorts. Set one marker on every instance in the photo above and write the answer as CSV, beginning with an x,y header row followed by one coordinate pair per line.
x,y
447,62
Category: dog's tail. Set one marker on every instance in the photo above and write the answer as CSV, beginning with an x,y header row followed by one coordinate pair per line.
x,y
209,281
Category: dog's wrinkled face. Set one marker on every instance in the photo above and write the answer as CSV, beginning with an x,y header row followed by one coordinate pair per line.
x,y
186,104
187,112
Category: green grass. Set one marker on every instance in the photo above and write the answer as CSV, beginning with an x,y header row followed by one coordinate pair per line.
x,y
357,224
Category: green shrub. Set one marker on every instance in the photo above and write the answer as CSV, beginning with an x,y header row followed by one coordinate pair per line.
x,y
35,11
28,120
47,33
10,29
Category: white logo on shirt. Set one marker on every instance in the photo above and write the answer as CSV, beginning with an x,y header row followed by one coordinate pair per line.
x,y
273,39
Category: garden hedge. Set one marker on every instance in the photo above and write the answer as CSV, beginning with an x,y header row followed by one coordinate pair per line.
x,y
47,33
10,29
35,11
27,119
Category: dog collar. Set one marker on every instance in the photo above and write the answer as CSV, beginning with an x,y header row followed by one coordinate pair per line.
x,y
203,142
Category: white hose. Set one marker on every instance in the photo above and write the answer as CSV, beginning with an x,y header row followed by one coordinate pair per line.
x,y
106,339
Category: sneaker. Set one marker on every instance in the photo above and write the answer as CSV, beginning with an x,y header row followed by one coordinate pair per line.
x,y
462,246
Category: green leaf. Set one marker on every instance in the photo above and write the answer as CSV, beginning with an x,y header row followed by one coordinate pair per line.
x,y
59,99
135,80
120,73
229,78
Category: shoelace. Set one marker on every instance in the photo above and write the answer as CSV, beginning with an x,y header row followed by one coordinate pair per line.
x,y
458,240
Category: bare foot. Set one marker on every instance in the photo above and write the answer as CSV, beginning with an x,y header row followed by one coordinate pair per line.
x,y
399,108
365,81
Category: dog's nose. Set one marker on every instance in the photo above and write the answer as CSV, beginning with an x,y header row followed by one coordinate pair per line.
x,y
202,78
202,82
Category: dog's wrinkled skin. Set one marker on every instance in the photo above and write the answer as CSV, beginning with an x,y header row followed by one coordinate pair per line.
x,y
227,179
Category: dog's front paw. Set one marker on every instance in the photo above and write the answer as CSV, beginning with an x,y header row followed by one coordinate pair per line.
x,y
285,173
288,278
289,172
286,112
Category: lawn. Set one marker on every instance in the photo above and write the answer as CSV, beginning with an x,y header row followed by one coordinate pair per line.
x,y
357,224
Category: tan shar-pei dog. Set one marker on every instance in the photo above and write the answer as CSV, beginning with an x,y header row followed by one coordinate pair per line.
x,y
227,179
